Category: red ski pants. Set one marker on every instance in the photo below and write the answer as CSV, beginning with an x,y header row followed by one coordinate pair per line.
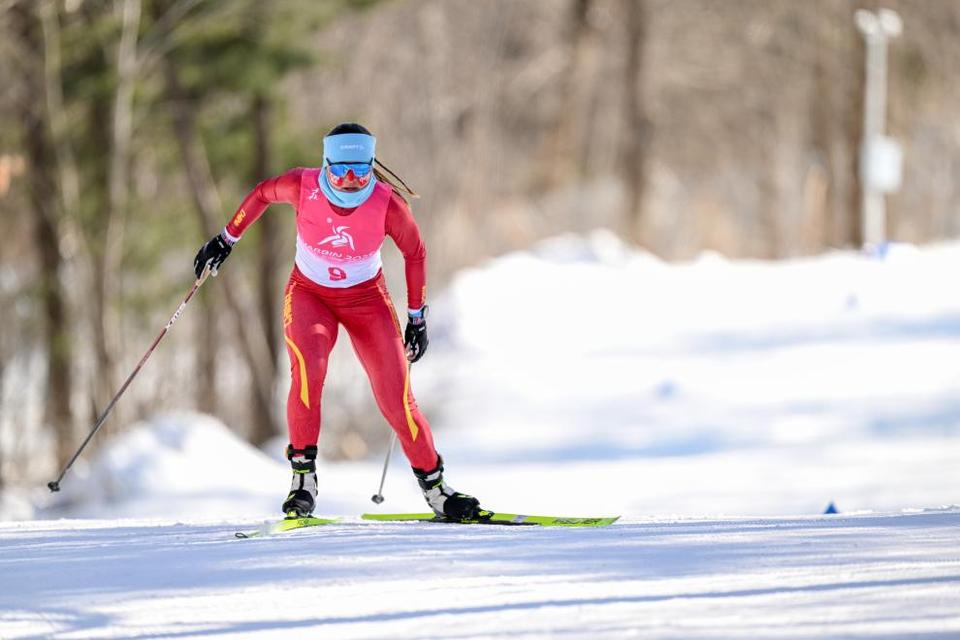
x,y
311,317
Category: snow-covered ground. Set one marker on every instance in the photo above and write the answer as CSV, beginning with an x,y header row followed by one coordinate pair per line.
x,y
849,577
718,406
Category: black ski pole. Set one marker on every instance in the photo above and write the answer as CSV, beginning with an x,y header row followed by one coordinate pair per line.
x,y
378,498
55,484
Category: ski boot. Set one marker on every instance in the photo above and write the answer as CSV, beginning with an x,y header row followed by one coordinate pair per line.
x,y
444,501
303,488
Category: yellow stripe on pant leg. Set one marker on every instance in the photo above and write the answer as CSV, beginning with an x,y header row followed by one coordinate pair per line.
x,y
411,423
304,390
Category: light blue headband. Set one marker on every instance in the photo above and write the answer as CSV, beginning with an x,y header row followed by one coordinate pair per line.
x,y
349,147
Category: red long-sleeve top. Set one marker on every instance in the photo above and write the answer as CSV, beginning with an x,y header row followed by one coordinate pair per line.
x,y
399,225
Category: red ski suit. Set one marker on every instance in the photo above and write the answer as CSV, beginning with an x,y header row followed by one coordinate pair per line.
x,y
337,247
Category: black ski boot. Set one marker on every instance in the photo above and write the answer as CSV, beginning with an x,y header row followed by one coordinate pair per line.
x,y
444,501
303,488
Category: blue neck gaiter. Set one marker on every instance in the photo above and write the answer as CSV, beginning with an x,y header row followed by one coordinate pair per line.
x,y
347,147
345,199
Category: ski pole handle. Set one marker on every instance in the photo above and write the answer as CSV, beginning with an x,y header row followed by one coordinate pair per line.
x,y
54,486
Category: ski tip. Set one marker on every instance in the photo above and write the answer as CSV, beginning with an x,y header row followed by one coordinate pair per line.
x,y
284,525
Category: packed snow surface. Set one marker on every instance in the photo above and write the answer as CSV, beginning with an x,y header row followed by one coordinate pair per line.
x,y
850,577
718,406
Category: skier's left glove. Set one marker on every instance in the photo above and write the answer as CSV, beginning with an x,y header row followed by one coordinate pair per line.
x,y
415,337
214,252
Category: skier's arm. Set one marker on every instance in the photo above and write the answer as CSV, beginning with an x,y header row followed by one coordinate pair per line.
x,y
283,188
401,226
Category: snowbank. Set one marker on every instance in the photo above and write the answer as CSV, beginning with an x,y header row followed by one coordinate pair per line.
x,y
176,464
15,505
591,373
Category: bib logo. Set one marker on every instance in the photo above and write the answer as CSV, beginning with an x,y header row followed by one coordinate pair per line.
x,y
340,237
314,194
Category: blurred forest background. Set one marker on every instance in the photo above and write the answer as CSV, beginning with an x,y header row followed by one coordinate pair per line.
x,y
131,129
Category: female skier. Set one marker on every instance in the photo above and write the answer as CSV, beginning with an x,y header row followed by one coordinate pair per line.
x,y
344,210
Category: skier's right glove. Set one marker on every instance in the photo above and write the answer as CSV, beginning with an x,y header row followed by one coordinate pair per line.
x,y
213,252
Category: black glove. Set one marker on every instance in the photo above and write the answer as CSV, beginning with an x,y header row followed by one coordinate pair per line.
x,y
415,337
214,252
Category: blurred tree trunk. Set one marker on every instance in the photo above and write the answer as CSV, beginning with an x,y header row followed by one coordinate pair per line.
x,y
567,157
835,130
209,209
42,196
66,158
818,207
107,330
768,242
267,273
854,228
260,109
206,205
637,140
103,374
111,130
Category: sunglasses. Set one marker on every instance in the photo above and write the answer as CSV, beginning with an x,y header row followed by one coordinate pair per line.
x,y
340,169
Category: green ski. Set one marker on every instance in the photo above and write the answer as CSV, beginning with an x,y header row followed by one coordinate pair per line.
x,y
287,524
489,517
